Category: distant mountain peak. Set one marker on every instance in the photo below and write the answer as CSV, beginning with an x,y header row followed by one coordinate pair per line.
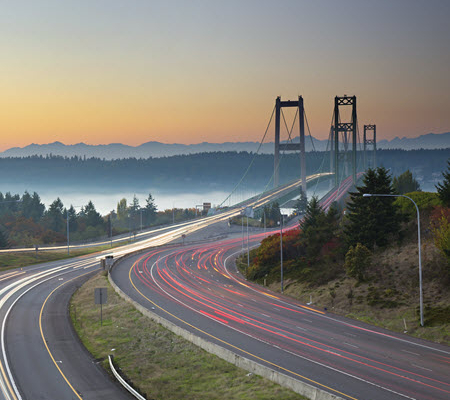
x,y
158,149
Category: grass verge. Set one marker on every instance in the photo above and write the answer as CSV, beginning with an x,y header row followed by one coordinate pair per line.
x,y
159,363
22,259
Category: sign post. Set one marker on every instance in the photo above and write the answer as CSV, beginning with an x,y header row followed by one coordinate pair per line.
x,y
101,297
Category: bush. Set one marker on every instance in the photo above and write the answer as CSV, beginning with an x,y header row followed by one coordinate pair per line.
x,y
357,261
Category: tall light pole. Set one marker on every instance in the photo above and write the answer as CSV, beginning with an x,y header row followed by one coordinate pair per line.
x,y
141,218
110,225
248,250
418,240
281,250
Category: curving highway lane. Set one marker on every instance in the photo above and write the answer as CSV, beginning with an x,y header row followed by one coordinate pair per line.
x,y
199,289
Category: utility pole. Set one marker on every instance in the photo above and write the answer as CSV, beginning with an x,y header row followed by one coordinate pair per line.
x,y
281,251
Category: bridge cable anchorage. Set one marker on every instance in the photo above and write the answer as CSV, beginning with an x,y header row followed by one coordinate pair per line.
x,y
252,161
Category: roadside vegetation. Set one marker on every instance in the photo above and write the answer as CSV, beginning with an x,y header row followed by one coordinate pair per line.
x,y
25,221
158,363
22,259
362,260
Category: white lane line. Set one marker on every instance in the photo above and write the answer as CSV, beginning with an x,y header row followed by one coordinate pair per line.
x,y
271,344
348,344
307,320
418,366
410,352
49,274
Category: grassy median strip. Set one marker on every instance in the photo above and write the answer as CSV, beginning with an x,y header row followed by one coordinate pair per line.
x,y
23,259
158,363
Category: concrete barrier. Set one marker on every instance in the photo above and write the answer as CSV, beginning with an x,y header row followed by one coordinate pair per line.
x,y
297,386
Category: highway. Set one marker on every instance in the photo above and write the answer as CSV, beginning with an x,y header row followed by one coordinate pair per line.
x,y
40,356
199,289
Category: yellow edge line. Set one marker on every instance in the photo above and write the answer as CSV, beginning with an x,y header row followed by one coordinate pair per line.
x,y
229,344
43,337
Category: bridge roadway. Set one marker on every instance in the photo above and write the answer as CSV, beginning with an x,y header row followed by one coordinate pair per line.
x,y
40,356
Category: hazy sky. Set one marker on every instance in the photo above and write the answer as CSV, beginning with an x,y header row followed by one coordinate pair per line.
x,y
132,71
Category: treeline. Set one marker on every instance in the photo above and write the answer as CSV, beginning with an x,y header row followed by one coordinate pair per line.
x,y
222,169
330,244
26,222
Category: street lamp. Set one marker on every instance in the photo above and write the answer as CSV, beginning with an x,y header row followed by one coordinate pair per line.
x,y
281,249
418,239
110,225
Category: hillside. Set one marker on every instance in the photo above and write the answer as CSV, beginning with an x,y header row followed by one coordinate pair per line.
x,y
381,284
197,171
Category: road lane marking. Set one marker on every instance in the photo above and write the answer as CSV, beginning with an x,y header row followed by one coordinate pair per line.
x,y
43,337
229,344
410,352
426,369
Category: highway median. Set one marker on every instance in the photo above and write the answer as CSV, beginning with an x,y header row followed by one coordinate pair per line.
x,y
158,363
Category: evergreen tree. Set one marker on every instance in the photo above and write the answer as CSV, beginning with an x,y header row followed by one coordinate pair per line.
x,y
150,209
302,203
55,218
4,244
443,188
31,207
405,183
318,228
313,213
274,212
372,220
91,216
73,222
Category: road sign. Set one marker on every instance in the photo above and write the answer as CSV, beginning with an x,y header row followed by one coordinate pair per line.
x,y
248,212
101,297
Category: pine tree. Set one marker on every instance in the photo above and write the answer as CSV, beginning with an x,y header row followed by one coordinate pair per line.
x,y
4,244
150,209
372,220
312,215
405,183
302,203
443,188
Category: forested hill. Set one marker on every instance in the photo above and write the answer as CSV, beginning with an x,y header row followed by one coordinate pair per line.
x,y
197,171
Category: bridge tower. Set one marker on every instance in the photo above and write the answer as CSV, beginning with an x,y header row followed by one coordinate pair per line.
x,y
290,146
370,142
346,128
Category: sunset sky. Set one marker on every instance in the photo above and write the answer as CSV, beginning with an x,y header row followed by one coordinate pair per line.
x,y
102,71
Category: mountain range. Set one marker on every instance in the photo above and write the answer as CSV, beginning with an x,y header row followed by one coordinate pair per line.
x,y
158,149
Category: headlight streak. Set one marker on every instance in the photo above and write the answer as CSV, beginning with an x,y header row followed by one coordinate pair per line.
x,y
173,283
7,380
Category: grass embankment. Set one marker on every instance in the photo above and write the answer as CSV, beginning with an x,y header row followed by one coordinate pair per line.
x,y
22,259
156,361
390,297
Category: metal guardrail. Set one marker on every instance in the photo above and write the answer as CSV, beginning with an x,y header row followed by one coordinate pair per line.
x,y
123,382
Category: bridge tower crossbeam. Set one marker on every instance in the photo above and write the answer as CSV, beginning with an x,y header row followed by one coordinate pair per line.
x,y
346,128
279,104
370,142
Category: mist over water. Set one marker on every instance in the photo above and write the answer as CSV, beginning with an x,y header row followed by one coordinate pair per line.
x,y
106,200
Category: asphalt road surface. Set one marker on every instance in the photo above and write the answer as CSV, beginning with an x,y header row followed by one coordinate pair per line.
x,y
198,288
